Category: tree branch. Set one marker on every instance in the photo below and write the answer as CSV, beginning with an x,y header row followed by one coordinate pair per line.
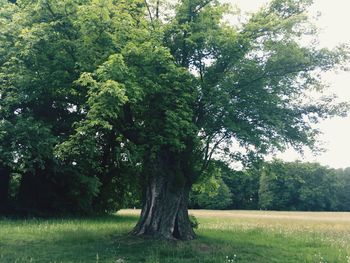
x,y
149,13
202,6
208,157
157,9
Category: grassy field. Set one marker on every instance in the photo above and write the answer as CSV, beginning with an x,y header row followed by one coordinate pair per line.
x,y
223,236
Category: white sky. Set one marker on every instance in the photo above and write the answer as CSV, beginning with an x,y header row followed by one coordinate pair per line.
x,y
334,23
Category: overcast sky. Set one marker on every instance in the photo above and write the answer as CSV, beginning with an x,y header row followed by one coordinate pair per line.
x,y
334,23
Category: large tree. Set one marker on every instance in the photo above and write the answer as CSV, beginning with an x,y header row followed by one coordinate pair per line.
x,y
249,86
159,90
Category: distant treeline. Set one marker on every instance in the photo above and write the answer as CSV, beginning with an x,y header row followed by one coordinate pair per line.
x,y
276,185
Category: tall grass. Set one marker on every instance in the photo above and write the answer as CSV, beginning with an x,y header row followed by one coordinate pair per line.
x,y
223,236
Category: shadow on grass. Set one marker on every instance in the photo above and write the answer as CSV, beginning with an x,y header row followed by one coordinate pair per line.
x,y
85,239
65,239
103,217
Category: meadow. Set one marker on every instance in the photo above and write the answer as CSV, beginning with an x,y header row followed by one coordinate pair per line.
x,y
223,236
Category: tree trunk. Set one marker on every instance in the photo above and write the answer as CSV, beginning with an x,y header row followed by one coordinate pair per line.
x,y
164,213
4,188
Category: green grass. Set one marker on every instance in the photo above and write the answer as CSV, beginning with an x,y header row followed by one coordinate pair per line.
x,y
223,236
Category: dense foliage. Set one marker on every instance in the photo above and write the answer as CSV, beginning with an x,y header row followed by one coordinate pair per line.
x,y
277,185
102,98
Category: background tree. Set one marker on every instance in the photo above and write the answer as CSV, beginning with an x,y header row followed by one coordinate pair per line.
x,y
342,181
221,200
225,188
318,193
244,186
298,186
45,47
279,186
211,192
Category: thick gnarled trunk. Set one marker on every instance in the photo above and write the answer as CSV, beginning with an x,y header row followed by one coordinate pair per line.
x,y
164,213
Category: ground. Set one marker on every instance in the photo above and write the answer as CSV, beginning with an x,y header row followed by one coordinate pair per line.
x,y
223,236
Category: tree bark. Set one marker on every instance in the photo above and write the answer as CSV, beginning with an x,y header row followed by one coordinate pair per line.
x,y
164,213
4,188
